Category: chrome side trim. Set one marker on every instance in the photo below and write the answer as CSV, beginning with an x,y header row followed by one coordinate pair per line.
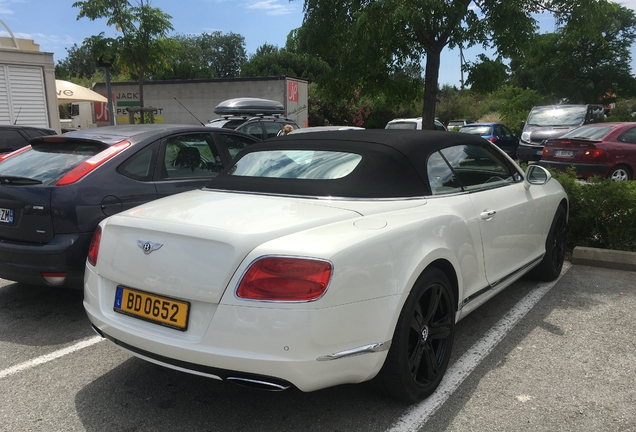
x,y
514,275
319,198
365,349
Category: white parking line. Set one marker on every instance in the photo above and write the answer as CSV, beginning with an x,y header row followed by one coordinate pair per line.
x,y
51,356
419,414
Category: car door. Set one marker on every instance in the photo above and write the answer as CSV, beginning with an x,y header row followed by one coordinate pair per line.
x,y
506,139
511,217
626,149
187,161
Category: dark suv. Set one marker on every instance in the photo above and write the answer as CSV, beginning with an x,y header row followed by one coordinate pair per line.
x,y
13,137
262,127
254,116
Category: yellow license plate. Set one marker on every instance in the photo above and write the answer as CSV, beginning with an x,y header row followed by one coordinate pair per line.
x,y
149,307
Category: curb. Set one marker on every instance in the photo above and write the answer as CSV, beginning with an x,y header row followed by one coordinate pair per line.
x,y
607,258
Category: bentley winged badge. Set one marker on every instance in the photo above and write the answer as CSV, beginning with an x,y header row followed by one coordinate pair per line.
x,y
148,246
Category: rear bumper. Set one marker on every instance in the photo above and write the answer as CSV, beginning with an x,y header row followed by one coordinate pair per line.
x,y
280,346
529,152
25,262
582,170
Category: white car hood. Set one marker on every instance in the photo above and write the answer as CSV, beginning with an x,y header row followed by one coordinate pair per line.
x,y
205,235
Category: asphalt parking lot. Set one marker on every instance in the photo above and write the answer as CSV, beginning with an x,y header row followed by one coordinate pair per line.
x,y
567,363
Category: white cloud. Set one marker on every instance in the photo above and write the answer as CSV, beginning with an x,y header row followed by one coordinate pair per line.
x,y
270,7
631,4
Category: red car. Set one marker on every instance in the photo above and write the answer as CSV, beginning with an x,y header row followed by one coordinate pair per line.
x,y
602,149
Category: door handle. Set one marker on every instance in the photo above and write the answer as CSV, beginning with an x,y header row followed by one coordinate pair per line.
x,y
487,214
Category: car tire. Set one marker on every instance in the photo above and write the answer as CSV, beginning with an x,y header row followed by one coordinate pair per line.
x,y
620,173
550,266
422,341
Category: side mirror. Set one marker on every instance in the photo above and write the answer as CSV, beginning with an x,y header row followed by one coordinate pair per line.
x,y
522,124
536,175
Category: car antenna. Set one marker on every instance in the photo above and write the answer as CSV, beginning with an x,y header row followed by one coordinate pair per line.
x,y
16,117
202,124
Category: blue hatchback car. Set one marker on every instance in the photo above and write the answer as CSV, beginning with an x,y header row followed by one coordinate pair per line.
x,y
497,134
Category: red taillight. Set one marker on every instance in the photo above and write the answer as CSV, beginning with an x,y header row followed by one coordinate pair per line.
x,y
545,151
4,157
593,153
90,164
565,142
285,279
93,249
492,139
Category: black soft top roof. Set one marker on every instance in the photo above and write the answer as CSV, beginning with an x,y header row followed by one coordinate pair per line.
x,y
393,163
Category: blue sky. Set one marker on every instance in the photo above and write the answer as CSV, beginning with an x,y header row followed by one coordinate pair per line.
x,y
53,25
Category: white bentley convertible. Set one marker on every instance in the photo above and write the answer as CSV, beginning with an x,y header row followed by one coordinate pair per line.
x,y
326,258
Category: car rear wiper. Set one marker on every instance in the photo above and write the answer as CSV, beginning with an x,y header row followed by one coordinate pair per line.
x,y
15,180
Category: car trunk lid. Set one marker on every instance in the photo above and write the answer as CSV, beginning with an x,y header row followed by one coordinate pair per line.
x,y
27,213
569,148
200,239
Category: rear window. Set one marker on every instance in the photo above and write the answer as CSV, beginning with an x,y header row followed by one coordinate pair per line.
x,y
233,124
589,132
296,164
11,140
49,161
476,130
402,125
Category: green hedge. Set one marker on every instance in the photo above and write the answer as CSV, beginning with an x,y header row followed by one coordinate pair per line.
x,y
602,212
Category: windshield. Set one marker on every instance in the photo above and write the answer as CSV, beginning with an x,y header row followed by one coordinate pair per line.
x,y
557,115
296,164
589,132
48,161
476,130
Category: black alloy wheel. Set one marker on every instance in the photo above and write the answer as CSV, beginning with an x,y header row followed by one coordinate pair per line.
x,y
550,266
421,346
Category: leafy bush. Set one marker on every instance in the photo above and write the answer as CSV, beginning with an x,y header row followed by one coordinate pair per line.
x,y
623,111
602,212
342,112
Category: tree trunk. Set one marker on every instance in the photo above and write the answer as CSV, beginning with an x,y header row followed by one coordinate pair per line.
x,y
431,82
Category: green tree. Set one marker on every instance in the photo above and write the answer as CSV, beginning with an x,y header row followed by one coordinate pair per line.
x,y
486,75
78,63
272,61
143,44
587,57
367,42
208,55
